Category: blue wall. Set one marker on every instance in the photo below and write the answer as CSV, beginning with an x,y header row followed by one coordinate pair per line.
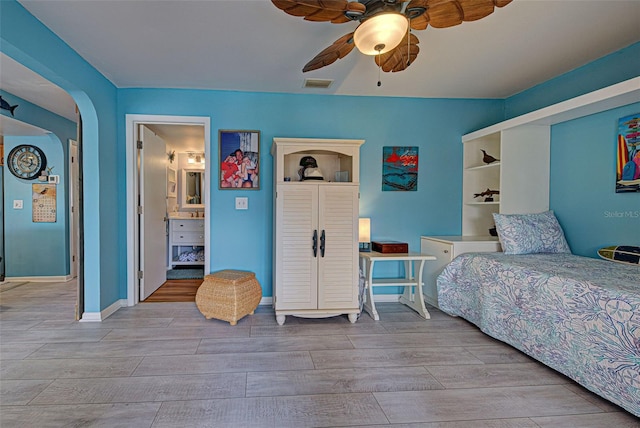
x,y
21,229
606,71
243,239
34,249
28,41
435,126
583,153
582,189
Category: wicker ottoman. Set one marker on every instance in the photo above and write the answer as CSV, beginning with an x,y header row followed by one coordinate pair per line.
x,y
228,295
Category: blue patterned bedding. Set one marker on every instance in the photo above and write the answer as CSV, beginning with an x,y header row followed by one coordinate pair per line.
x,y
578,315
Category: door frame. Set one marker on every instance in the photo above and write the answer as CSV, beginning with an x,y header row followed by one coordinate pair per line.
x,y
132,122
74,227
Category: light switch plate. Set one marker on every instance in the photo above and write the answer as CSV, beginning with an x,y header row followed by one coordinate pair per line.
x,y
17,204
242,203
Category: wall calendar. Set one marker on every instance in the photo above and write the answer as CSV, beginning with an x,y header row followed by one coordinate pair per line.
x,y
44,203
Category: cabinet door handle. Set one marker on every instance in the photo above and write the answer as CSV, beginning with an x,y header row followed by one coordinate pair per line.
x,y
322,244
315,243
445,251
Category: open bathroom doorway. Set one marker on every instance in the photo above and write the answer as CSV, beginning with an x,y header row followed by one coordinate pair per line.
x,y
167,203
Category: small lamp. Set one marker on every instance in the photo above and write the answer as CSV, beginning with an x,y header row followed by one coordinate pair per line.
x,y
364,234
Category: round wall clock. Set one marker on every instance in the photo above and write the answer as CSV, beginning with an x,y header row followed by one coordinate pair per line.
x,y
26,161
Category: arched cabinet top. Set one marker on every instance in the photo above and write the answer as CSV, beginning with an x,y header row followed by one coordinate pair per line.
x,y
338,159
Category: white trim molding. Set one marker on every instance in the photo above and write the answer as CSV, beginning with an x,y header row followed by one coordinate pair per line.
x,y
131,122
266,301
103,314
61,278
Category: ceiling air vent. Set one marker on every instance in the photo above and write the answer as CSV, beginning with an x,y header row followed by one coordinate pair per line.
x,y
317,83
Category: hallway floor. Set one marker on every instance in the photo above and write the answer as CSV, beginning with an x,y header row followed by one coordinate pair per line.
x,y
175,290
164,365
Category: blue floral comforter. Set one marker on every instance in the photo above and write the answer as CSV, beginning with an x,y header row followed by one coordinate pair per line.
x,y
578,315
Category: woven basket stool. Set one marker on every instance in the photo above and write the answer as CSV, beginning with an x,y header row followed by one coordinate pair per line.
x,y
229,295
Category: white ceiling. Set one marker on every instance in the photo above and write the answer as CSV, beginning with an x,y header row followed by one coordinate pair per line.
x,y
11,126
250,45
181,138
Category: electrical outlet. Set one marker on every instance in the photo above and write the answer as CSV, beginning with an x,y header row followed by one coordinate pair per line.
x,y
242,203
17,204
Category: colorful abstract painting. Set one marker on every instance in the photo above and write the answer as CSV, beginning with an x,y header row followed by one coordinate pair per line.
x,y
399,168
628,154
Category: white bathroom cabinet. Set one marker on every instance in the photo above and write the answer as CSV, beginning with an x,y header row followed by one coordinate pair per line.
x,y
185,235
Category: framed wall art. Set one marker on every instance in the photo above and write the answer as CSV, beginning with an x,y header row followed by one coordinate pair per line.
x,y
399,168
239,159
628,154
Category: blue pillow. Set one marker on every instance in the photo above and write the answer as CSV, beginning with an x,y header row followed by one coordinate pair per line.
x,y
530,233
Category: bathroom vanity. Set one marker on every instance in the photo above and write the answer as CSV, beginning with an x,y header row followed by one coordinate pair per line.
x,y
186,241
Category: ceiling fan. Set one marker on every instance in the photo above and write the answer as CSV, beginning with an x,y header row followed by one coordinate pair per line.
x,y
385,25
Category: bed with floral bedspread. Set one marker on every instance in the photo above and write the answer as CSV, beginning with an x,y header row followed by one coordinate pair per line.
x,y
578,315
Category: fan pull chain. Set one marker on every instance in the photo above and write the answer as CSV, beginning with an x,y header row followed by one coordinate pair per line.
x,y
408,42
379,66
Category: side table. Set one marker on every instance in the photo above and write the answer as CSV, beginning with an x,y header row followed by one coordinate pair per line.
x,y
412,282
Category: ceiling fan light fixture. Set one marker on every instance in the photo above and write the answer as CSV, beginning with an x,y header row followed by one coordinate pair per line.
x,y
381,33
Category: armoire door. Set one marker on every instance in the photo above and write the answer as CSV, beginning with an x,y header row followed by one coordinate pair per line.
x,y
338,255
296,265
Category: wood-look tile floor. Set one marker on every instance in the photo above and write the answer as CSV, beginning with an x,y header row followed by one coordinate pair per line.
x,y
165,365
176,290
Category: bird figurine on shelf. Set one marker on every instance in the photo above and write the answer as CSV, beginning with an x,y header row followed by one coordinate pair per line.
x,y
487,158
488,193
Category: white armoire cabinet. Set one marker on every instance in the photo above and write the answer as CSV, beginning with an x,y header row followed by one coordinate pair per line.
x,y
315,272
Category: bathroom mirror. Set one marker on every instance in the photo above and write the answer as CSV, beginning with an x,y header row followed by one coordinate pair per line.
x,y
192,186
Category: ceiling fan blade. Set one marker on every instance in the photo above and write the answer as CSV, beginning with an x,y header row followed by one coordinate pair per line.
x,y
448,13
421,22
401,57
338,50
315,10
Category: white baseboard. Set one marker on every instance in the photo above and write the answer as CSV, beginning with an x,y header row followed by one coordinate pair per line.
x,y
61,278
103,314
266,301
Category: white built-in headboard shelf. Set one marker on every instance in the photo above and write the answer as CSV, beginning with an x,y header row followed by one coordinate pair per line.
x,y
613,96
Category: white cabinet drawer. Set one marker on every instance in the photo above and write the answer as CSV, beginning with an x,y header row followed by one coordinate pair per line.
x,y
445,249
187,225
443,253
187,237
